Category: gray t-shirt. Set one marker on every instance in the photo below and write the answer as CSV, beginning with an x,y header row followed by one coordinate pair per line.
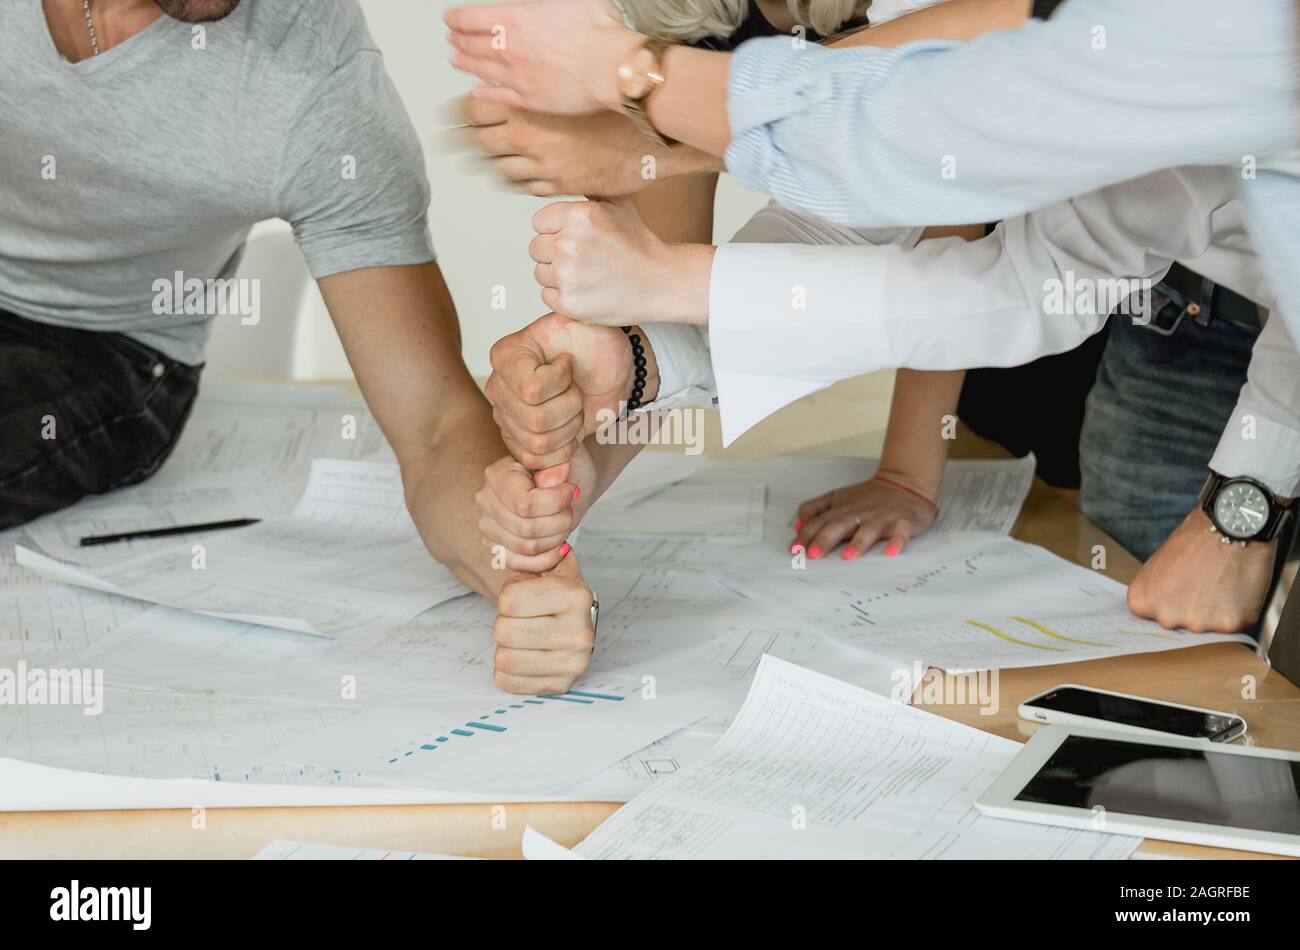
x,y
157,157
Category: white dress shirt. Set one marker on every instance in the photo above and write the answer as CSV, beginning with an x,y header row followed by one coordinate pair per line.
x,y
797,303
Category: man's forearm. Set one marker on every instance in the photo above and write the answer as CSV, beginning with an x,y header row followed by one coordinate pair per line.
x,y
440,487
399,328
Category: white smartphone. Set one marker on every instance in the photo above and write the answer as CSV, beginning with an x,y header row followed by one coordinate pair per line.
x,y
1071,705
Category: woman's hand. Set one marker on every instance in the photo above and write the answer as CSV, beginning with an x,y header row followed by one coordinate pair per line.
x,y
525,519
598,262
559,56
543,631
862,515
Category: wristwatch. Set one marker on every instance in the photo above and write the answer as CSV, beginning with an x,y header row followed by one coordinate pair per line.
x,y
1241,509
640,76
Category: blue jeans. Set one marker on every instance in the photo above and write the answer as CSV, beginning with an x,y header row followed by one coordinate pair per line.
x,y
1153,420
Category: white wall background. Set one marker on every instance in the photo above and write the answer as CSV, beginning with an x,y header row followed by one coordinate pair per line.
x,y
481,231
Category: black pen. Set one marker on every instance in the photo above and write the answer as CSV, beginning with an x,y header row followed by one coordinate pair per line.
x,y
167,532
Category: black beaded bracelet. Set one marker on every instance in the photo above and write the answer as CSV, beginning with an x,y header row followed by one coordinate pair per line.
x,y
638,360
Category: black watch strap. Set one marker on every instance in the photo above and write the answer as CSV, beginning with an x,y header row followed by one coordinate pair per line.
x,y
1278,512
1043,9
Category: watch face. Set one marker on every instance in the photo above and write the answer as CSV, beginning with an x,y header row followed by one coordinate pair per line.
x,y
1241,510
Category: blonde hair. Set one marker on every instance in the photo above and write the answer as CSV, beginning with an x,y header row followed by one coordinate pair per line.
x,y
686,20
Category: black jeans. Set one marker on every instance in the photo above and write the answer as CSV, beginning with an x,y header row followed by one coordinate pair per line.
x,y
82,413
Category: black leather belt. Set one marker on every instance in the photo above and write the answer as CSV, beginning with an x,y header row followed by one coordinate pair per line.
x,y
1201,299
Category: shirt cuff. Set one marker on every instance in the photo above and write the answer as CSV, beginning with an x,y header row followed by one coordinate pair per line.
x,y
1255,446
763,360
685,372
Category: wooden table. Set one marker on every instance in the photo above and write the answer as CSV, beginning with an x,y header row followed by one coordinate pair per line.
x,y
845,420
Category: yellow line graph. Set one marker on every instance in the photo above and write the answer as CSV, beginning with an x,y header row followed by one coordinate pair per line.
x,y
1009,638
1059,636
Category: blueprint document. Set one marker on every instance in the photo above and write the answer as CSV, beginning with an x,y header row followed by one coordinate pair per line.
x,y
194,697
55,617
272,433
966,602
739,502
718,513
244,707
814,768
246,452
39,616
348,556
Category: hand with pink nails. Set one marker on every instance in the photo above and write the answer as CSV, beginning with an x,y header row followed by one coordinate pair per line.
x,y
885,508
543,630
526,518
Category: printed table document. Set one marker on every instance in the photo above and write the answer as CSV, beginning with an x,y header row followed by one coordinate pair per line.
x,y
814,768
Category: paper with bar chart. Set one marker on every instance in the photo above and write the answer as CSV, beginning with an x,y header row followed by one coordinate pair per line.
x,y
814,768
469,736
199,697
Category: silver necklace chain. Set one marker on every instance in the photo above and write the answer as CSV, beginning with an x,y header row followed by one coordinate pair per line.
x,y
90,25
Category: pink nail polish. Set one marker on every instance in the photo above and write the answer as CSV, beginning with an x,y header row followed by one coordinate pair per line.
x,y
815,551
798,525
891,550
849,554
564,550
796,548
576,492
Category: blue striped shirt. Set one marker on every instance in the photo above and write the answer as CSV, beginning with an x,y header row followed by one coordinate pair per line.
x,y
1105,91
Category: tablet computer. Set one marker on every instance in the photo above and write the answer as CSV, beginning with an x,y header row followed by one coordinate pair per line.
x,y
1168,787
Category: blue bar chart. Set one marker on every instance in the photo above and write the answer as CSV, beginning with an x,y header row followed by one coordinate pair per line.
x,y
497,721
